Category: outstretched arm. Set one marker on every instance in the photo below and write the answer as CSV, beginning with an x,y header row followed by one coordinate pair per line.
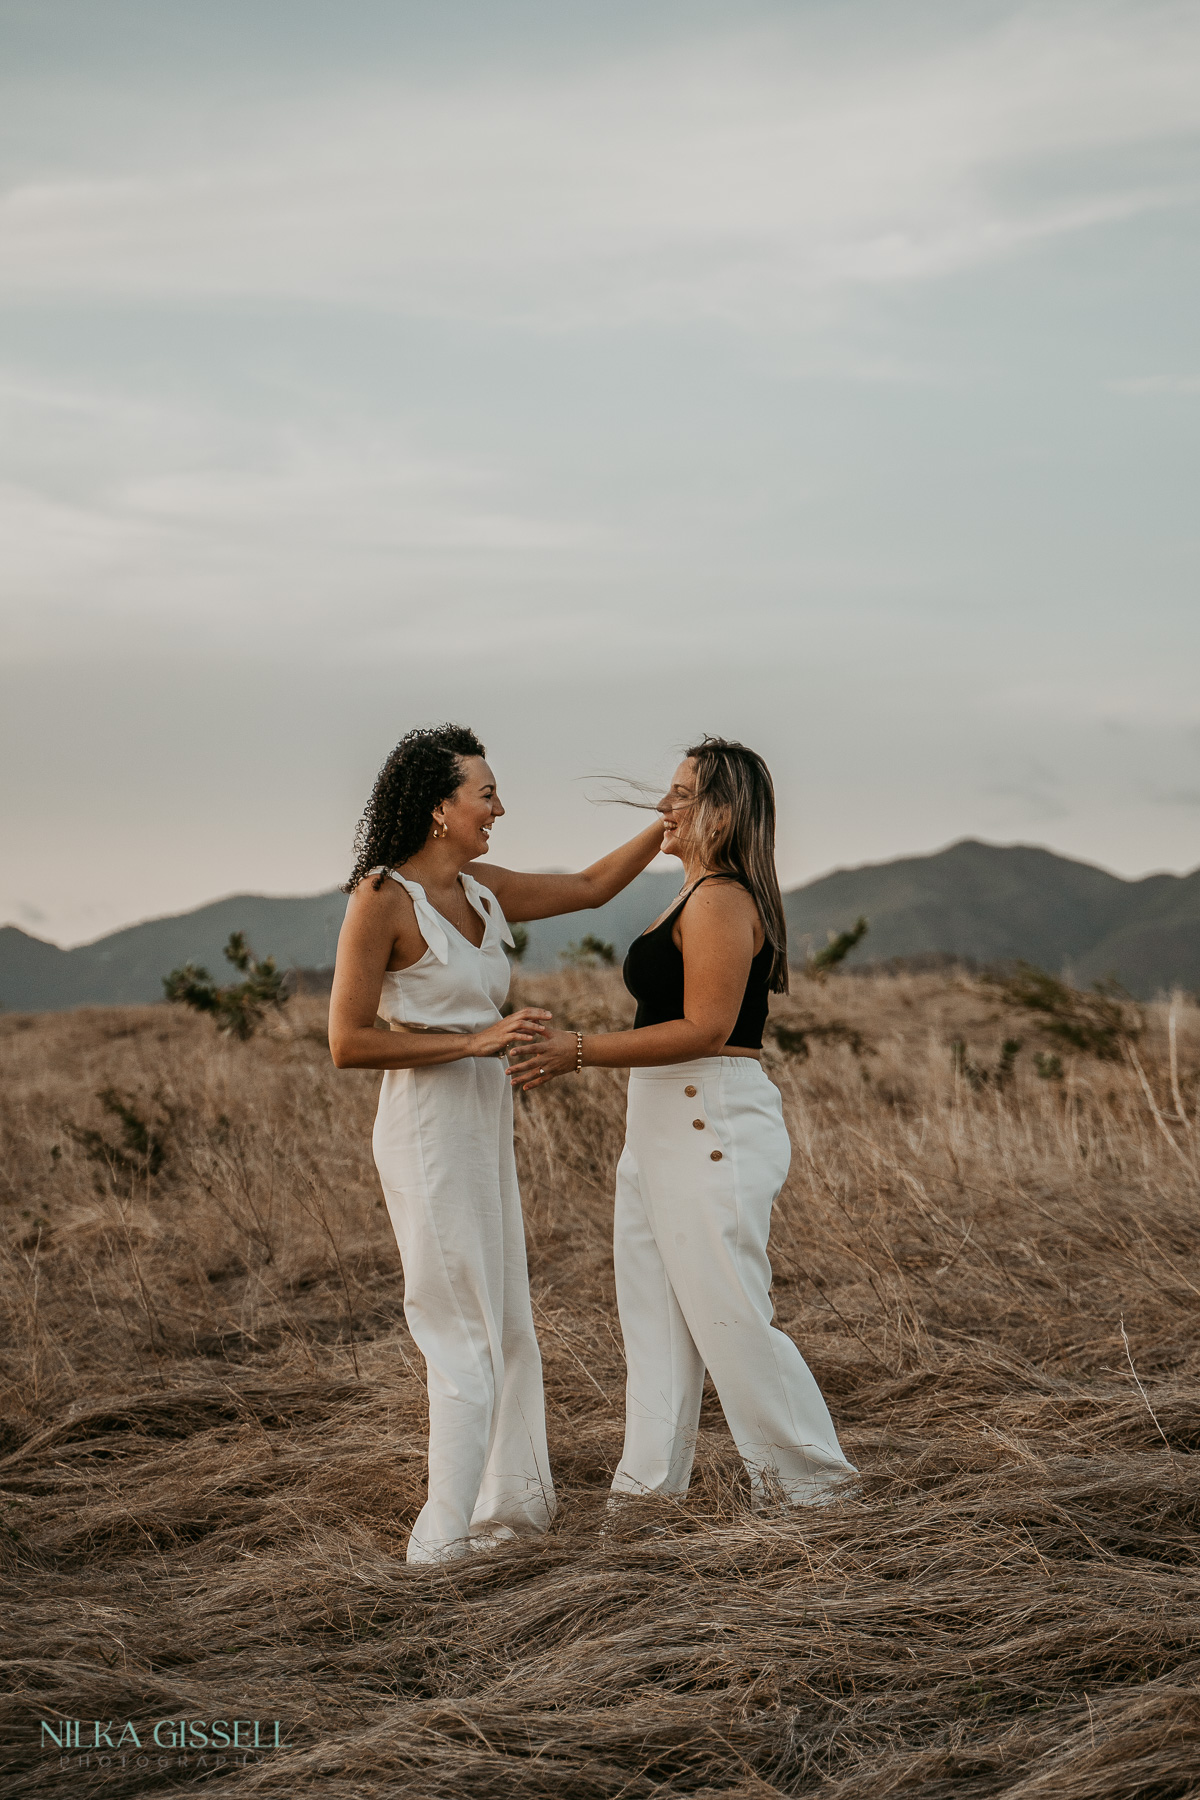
x,y
524,897
717,932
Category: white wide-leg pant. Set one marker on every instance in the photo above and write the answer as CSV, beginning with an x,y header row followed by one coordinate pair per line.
x,y
706,1153
443,1148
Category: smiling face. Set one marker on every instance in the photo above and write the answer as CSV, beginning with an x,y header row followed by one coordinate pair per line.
x,y
676,807
471,810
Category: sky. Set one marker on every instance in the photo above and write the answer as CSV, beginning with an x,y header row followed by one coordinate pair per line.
x,y
824,374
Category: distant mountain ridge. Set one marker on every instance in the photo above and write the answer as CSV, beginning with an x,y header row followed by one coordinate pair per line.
x,y
990,902
126,967
997,902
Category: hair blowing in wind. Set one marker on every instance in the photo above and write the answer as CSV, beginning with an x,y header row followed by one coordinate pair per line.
x,y
735,812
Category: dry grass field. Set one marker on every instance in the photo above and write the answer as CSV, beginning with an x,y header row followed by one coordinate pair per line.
x,y
213,1427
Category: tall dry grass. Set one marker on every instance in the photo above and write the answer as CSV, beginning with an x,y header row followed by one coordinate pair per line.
x,y
214,1425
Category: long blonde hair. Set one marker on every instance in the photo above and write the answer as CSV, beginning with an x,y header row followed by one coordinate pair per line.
x,y
734,817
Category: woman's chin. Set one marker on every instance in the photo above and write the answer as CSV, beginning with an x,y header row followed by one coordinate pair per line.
x,y
672,847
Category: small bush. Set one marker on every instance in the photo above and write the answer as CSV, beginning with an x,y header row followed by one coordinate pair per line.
x,y
237,1010
840,944
793,1040
520,942
588,953
1009,1051
1000,1077
1100,1022
142,1149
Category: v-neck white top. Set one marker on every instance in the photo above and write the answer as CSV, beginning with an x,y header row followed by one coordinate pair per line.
x,y
455,986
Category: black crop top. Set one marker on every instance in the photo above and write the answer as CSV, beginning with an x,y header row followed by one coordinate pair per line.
x,y
653,974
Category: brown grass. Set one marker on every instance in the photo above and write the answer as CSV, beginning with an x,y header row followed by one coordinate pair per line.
x,y
214,1420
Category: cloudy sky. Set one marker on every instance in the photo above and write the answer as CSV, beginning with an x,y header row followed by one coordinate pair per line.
x,y
824,373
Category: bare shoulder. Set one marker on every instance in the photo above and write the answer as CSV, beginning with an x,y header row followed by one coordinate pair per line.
x,y
371,909
380,930
718,915
721,900
488,876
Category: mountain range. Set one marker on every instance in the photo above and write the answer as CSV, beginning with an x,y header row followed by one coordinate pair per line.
x,y
985,902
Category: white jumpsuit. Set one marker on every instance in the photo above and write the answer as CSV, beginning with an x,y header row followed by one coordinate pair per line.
x,y
443,1144
706,1152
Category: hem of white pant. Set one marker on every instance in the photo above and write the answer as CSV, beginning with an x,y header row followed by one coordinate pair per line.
x,y
491,1537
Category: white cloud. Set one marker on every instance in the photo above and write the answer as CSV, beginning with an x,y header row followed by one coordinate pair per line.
x,y
134,513
247,537
749,179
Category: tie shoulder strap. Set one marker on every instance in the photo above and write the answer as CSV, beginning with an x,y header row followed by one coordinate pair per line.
x,y
428,922
488,908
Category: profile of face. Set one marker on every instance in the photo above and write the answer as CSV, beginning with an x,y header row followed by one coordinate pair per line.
x,y
468,815
676,807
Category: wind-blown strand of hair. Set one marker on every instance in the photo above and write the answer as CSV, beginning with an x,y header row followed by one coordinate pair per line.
x,y
735,807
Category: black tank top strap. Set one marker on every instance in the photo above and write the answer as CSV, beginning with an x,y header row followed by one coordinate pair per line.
x,y
680,901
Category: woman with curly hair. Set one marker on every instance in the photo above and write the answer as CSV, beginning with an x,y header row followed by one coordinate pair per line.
x,y
423,947
706,1152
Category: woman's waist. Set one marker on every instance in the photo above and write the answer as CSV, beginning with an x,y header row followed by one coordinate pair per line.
x,y
738,1044
745,1034
742,1065
457,1022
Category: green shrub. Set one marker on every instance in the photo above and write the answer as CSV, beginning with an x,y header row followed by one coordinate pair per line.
x,y
840,944
978,1078
1099,1022
587,953
237,1010
142,1149
520,942
793,1040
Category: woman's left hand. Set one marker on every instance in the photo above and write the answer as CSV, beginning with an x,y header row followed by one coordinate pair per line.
x,y
554,1054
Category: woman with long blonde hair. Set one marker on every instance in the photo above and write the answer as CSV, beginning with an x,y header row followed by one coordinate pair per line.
x,y
706,1152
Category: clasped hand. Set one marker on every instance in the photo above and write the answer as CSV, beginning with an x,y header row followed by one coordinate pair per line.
x,y
554,1054
520,1028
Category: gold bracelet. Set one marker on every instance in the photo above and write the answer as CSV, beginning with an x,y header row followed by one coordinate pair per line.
x,y
578,1051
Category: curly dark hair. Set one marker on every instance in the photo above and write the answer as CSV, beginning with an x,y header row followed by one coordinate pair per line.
x,y
424,769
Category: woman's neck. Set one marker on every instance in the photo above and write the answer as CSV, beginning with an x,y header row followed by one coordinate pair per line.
x,y
434,865
694,872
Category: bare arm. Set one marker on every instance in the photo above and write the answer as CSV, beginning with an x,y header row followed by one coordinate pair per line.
x,y
524,897
717,932
374,926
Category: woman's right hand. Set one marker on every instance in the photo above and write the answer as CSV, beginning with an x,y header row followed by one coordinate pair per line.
x,y
523,1027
